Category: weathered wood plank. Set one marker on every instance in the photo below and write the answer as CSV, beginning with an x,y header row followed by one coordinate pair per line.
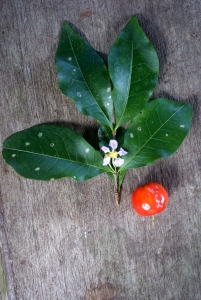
x,y
68,240
6,274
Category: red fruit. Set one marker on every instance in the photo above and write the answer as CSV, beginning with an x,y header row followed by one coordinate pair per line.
x,y
149,199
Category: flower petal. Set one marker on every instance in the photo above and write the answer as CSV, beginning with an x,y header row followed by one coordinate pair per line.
x,y
113,144
106,161
118,162
122,152
105,149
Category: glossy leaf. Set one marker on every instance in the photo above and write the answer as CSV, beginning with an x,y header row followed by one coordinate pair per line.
x,y
133,67
83,76
47,152
157,132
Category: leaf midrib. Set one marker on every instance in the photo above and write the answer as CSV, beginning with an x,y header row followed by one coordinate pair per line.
x,y
86,80
128,91
58,158
149,139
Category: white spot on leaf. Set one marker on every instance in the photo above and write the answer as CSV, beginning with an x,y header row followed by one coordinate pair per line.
x,y
37,169
87,150
40,134
13,155
27,143
74,70
109,97
166,134
74,176
139,128
79,95
131,135
108,104
70,58
145,206
182,126
108,90
52,145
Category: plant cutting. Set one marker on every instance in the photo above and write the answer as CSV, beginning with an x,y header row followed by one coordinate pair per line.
x,y
133,132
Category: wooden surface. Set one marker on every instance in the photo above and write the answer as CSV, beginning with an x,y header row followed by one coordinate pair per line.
x,y
67,240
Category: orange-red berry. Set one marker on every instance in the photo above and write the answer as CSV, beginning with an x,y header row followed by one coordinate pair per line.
x,y
149,199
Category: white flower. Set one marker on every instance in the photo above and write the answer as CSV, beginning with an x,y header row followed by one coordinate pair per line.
x,y
105,149
118,162
122,152
113,144
113,154
106,161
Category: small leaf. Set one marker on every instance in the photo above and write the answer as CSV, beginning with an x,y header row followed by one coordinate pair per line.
x,y
121,177
111,175
133,67
157,132
83,76
47,152
104,135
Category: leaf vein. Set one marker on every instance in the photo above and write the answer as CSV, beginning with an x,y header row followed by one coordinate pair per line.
x,y
150,138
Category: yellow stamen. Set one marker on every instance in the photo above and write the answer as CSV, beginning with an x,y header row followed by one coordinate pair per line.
x,y
113,154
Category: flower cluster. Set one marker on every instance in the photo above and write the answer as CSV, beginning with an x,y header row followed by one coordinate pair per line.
x,y
113,154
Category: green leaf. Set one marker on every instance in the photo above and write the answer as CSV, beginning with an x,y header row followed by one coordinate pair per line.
x,y
104,135
47,152
121,177
133,68
111,175
83,76
157,132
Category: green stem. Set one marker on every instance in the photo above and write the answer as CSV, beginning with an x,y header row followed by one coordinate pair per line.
x,y
116,178
116,193
111,167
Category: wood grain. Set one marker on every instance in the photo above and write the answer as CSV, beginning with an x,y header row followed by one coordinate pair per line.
x,y
69,240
